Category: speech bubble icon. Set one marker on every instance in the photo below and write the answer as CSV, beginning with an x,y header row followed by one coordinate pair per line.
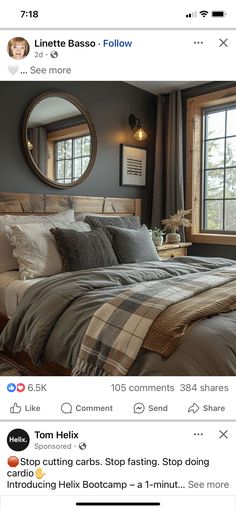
x,y
66,408
13,69
139,408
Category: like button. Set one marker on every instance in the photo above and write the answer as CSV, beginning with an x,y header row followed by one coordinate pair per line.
x,y
15,409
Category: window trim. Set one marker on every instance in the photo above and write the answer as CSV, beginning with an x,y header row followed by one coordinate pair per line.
x,y
54,136
73,157
195,105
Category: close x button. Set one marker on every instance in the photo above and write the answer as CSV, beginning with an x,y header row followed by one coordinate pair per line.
x,y
223,434
223,42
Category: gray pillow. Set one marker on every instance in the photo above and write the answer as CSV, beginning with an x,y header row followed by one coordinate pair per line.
x,y
84,250
113,221
133,245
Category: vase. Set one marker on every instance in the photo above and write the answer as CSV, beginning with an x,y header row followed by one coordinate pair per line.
x,y
173,238
158,240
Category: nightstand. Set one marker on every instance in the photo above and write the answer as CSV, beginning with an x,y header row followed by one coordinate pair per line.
x,y
172,250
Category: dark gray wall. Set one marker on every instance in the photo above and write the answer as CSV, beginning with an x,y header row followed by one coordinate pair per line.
x,y
109,104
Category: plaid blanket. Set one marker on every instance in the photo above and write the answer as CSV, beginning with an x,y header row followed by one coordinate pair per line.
x,y
119,328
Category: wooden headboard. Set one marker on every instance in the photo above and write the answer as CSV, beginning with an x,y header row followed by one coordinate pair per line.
x,y
24,203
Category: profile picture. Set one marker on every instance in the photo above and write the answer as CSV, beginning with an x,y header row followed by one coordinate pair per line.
x,y
18,48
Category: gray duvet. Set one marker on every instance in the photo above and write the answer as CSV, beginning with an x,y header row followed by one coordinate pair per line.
x,y
54,315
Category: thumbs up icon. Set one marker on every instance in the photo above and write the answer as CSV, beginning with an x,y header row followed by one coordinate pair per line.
x,y
15,409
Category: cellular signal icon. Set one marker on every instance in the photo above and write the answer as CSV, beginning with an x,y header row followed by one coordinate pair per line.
x,y
204,13
191,14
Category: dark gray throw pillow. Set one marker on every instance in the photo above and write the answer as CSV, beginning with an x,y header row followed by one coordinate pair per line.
x,y
133,245
84,250
113,221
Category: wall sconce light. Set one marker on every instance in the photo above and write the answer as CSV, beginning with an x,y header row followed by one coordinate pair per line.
x,y
137,128
29,145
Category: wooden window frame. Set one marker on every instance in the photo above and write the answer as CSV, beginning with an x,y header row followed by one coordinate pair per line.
x,y
195,105
60,134
73,157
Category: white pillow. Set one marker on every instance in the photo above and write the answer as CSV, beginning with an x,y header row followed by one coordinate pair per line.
x,y
35,248
80,226
7,261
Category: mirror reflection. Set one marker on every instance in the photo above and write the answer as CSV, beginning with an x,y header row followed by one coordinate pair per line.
x,y
60,140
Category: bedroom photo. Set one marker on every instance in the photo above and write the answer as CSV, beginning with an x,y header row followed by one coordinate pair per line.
x,y
118,229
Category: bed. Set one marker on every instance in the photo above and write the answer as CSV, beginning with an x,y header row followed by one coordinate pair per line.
x,y
70,323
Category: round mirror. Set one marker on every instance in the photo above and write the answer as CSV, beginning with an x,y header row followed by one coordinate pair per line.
x,y
59,139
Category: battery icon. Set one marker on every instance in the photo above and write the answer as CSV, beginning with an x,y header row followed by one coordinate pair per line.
x,y
218,14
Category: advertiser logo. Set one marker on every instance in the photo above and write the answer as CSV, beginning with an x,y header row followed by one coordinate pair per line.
x,y
18,440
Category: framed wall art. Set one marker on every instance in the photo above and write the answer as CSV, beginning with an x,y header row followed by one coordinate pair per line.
x,y
133,161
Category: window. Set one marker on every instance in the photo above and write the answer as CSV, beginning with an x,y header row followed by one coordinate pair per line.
x,y
71,158
219,169
211,167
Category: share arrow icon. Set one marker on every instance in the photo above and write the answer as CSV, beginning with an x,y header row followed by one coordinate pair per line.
x,y
194,408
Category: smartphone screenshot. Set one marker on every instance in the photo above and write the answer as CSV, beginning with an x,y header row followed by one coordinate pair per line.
x,y
117,256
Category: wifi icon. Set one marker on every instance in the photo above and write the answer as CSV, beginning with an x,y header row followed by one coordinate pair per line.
x,y
204,13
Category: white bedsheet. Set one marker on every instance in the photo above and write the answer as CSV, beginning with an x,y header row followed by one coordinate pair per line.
x,y
12,289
